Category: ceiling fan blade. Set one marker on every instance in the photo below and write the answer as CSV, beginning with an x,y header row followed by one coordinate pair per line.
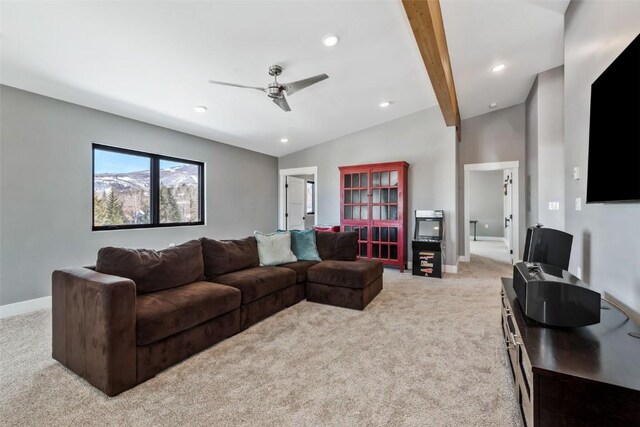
x,y
293,87
282,103
261,89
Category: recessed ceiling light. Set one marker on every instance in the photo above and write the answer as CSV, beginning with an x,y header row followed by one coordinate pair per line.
x,y
385,104
330,40
284,140
493,105
498,68
200,109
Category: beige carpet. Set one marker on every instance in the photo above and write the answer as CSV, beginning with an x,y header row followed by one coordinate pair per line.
x,y
425,352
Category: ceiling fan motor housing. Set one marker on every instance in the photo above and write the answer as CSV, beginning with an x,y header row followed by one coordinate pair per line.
x,y
274,90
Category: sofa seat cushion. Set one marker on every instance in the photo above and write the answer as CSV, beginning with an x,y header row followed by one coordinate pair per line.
x,y
257,282
164,313
300,267
347,274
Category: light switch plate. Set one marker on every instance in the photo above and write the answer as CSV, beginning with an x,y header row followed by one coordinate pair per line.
x,y
578,203
554,206
576,173
486,226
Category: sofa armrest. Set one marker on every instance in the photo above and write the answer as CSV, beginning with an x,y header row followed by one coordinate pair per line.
x,y
94,327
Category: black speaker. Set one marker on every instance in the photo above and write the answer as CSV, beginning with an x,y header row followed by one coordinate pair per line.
x,y
548,246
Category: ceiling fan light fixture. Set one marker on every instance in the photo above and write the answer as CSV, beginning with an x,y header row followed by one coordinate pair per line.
x,y
200,109
497,68
284,140
330,40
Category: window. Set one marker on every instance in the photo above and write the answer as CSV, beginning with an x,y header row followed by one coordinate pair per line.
x,y
311,189
137,190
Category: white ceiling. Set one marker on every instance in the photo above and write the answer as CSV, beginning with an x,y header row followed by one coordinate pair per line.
x,y
525,35
151,60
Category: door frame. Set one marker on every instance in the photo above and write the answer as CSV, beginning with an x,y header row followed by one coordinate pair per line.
x,y
282,193
492,166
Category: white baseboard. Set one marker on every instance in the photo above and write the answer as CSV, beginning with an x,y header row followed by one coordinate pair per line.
x,y
451,269
464,258
24,307
490,238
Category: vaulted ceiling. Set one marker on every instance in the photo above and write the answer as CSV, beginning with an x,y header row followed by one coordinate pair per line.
x,y
151,61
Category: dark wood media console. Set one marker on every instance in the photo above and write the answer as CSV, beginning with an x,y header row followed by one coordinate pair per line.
x,y
587,376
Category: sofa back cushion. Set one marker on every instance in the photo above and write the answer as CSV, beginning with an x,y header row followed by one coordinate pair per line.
x,y
152,270
341,246
226,256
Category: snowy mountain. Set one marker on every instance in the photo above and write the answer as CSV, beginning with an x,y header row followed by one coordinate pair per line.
x,y
172,177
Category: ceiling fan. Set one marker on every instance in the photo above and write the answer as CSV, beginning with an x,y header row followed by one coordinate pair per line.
x,y
276,90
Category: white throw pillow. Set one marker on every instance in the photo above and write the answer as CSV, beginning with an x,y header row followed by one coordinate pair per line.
x,y
274,248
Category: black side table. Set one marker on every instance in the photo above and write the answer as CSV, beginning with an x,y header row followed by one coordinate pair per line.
x,y
475,223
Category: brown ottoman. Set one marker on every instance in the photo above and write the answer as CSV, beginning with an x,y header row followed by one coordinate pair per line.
x,y
350,284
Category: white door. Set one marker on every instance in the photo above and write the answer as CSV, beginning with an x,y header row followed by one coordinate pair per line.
x,y
296,190
508,210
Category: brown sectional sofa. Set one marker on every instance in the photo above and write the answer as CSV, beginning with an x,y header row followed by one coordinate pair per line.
x,y
140,311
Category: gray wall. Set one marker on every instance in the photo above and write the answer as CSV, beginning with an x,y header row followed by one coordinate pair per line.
x,y
531,155
606,243
46,185
498,136
545,148
421,139
486,201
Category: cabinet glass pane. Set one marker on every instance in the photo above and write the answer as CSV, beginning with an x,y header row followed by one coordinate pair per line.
x,y
363,249
375,234
347,196
347,212
384,251
364,212
376,212
363,196
355,180
393,195
376,179
363,233
347,181
393,178
384,231
393,234
347,228
376,195
355,196
364,179
356,212
384,212
393,252
393,212
375,250
384,179
384,195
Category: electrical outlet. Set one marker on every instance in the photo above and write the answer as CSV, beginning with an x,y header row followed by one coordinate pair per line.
x,y
578,203
486,226
171,245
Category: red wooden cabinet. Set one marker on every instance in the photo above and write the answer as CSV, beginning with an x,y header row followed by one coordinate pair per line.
x,y
373,202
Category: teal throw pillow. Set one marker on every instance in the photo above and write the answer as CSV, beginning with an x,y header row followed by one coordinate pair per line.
x,y
303,244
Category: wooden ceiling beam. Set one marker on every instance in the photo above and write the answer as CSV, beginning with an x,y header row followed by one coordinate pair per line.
x,y
425,18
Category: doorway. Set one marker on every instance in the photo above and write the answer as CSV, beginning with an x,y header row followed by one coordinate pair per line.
x,y
297,198
496,209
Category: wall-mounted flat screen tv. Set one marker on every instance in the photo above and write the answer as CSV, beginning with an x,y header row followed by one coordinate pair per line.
x,y
613,173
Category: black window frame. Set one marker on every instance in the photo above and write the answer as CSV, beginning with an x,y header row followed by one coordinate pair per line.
x,y
313,197
154,189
